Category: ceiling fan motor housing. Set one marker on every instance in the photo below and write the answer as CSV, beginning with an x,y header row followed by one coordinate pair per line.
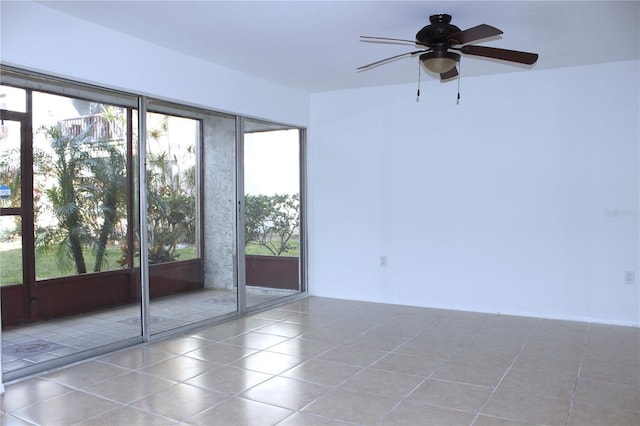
x,y
437,34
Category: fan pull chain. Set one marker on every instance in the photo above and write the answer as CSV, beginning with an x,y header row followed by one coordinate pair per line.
x,y
419,72
459,69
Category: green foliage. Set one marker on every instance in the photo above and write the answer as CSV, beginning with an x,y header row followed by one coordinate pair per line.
x,y
11,176
271,221
47,264
86,186
65,195
171,198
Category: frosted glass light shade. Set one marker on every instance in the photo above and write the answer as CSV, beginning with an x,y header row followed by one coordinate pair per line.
x,y
439,62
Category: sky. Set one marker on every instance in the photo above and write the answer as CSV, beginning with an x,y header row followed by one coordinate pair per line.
x,y
272,162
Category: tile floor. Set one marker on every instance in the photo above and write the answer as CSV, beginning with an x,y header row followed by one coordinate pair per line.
x,y
26,345
322,361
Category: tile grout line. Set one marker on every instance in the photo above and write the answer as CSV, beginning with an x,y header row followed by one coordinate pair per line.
x,y
526,340
575,387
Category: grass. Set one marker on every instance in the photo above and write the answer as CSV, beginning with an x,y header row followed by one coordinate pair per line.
x,y
47,265
256,249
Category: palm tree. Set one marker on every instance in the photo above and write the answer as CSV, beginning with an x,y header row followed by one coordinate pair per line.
x,y
107,164
64,195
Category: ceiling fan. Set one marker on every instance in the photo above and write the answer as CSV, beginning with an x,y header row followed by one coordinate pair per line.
x,y
443,42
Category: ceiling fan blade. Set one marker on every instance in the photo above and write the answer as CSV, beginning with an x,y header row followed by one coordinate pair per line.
x,y
452,73
389,59
502,54
370,39
476,33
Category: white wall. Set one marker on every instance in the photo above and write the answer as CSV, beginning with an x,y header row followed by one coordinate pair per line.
x,y
38,38
523,199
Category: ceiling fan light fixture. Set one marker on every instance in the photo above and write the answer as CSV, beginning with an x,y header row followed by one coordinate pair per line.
x,y
439,62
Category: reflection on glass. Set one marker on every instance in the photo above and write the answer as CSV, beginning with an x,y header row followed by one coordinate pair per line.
x,y
13,99
171,187
176,281
80,186
10,172
10,250
272,214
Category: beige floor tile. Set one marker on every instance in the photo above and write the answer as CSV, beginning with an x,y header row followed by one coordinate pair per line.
x,y
538,383
219,332
66,409
549,365
136,357
497,421
596,415
554,349
221,353
21,394
614,351
378,341
489,343
322,361
413,413
527,408
474,374
385,383
611,370
562,328
180,401
457,396
610,333
230,380
251,323
240,412
283,329
401,326
484,357
561,331
256,340
431,348
178,369
328,334
322,372
268,362
302,348
127,416
608,394
129,387
286,393
352,355
508,325
351,406
85,374
9,420
408,364
309,320
302,419
179,345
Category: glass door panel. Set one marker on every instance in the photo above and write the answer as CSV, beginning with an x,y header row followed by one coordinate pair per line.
x,y
10,203
10,250
272,213
14,292
76,209
187,282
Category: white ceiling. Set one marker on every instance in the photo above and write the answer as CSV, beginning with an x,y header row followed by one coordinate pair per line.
x,y
314,45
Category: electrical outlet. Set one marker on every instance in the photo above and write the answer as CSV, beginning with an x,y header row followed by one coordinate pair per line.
x,y
383,261
629,277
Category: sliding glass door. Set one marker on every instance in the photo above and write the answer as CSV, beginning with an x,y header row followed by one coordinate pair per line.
x,y
125,219
190,210
273,243
67,226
